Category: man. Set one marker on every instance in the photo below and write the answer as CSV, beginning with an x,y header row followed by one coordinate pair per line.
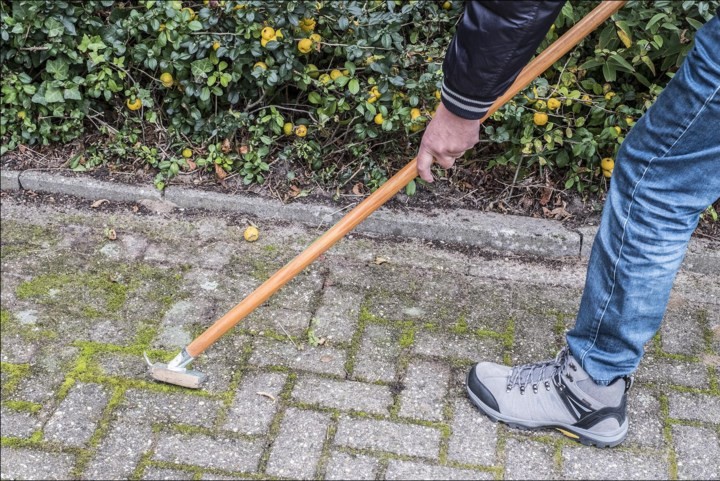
x,y
666,173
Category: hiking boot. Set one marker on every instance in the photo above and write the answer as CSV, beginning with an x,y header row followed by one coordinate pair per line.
x,y
555,394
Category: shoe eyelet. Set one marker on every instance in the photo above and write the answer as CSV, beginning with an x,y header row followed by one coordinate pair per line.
x,y
547,385
535,388
573,366
569,377
522,390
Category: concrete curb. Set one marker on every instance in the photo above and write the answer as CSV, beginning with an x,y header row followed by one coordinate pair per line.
x,y
485,231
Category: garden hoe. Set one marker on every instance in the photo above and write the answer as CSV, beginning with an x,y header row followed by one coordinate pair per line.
x,y
176,371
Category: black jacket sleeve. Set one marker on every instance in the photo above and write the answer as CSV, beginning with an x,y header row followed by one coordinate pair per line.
x,y
493,42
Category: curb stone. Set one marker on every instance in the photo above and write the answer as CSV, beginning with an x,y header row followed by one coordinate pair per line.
x,y
486,231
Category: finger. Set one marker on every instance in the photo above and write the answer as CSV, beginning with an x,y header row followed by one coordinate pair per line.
x,y
424,162
445,161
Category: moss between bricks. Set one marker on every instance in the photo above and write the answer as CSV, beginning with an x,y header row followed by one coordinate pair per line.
x,y
22,406
20,239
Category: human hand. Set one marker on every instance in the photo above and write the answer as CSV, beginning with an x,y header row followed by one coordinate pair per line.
x,y
446,138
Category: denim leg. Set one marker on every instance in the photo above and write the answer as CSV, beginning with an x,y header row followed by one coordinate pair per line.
x,y
666,173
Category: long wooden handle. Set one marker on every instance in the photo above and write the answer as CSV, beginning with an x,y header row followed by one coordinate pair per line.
x,y
397,182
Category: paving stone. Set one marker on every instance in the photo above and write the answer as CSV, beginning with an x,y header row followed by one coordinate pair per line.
x,y
300,293
280,320
694,407
174,329
162,473
111,332
671,371
14,349
378,353
698,452
325,360
18,424
344,395
446,345
298,445
76,418
119,364
591,463
474,436
681,331
199,450
411,470
527,459
344,466
426,383
252,413
645,419
368,276
32,464
416,307
165,407
533,299
337,316
116,457
404,439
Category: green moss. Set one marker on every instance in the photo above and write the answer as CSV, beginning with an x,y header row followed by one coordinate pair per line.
x,y
407,338
5,318
15,373
22,406
20,239
461,326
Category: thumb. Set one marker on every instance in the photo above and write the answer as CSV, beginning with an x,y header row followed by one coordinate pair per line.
x,y
424,162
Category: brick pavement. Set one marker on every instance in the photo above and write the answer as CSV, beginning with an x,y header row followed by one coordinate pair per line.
x,y
381,398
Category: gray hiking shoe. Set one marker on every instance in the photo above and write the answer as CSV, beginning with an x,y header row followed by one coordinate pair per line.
x,y
555,394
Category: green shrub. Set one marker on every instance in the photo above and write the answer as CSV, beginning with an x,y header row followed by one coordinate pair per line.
x,y
157,77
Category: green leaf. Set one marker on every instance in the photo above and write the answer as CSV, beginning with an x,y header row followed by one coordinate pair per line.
x,y
314,98
58,68
622,62
410,188
204,94
72,94
200,68
696,25
609,72
354,86
54,95
195,26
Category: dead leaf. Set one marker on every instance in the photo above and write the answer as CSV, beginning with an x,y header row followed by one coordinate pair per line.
x,y
380,260
110,234
557,213
135,208
243,149
22,148
357,188
546,195
266,394
326,359
220,172
226,146
190,164
98,203
322,341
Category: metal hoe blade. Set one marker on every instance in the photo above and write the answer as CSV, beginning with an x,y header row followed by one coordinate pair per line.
x,y
173,374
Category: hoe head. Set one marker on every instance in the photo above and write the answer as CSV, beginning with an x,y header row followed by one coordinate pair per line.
x,y
175,371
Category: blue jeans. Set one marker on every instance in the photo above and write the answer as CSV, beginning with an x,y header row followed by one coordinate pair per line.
x,y
666,173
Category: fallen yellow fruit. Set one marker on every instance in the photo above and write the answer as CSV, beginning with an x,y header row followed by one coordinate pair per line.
x,y
335,74
415,113
553,104
261,65
447,5
288,128
315,38
437,94
540,119
607,163
301,131
135,105
251,234
166,79
607,173
187,153
609,95
21,115
305,45
216,45
378,119
618,130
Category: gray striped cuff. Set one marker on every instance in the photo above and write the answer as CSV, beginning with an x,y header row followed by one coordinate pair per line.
x,y
462,106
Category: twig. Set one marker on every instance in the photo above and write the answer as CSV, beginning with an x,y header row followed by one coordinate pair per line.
x,y
289,337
